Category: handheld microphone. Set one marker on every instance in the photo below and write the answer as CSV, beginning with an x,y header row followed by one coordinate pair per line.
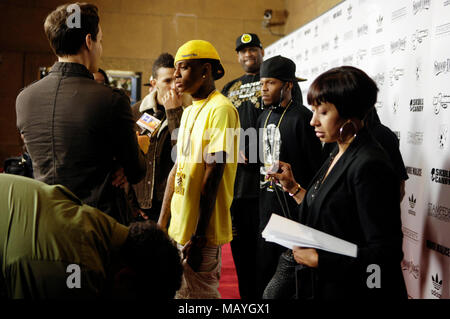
x,y
148,124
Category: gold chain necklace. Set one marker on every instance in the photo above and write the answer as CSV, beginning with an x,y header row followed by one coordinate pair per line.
x,y
281,118
179,189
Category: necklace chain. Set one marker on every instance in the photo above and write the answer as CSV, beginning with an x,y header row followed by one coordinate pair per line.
x,y
281,118
192,126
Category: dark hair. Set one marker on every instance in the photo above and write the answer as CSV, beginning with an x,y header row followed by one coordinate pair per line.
x,y
66,40
216,67
351,90
165,60
151,254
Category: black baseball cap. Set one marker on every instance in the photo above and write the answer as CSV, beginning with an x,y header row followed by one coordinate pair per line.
x,y
279,67
247,40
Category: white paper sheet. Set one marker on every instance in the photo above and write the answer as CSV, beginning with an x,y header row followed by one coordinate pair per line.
x,y
288,233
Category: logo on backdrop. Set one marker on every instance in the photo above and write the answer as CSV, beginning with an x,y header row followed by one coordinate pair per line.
x,y
440,101
349,11
443,136
337,14
415,138
418,37
437,286
416,105
420,5
412,203
441,176
418,70
411,234
395,104
438,248
325,46
414,171
379,78
361,55
439,212
347,60
398,45
379,21
441,67
412,268
446,3
316,31
395,74
397,14
363,30
336,42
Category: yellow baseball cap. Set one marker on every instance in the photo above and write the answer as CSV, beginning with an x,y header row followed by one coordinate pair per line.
x,y
200,49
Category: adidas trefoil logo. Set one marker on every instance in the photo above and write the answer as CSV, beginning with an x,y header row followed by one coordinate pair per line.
x,y
437,284
412,201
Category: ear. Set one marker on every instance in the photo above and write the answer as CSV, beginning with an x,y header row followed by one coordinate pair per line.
x,y
262,52
206,70
290,85
88,41
153,82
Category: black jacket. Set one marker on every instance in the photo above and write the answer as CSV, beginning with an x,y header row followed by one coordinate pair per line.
x,y
78,132
358,202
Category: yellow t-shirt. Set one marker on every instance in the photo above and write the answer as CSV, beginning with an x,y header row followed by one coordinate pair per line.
x,y
216,129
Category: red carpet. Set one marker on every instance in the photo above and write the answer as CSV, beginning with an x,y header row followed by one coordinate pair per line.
x,y
228,285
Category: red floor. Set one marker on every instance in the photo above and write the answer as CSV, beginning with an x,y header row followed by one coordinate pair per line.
x,y
228,285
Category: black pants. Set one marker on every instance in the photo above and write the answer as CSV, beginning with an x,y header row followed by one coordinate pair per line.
x,y
245,213
268,255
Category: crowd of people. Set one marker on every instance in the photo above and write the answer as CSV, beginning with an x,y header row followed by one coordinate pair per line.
x,y
117,211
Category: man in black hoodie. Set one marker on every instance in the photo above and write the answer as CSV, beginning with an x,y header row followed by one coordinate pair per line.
x,y
285,135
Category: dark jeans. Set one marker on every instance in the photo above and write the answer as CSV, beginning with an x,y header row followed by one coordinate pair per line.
x,y
244,214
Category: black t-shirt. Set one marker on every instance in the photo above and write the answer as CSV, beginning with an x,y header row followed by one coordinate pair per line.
x,y
245,94
294,143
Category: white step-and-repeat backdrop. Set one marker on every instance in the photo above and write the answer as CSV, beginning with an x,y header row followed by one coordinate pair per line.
x,y
404,45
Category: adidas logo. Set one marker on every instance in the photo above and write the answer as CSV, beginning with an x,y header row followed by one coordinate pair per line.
x,y
412,201
437,284
380,20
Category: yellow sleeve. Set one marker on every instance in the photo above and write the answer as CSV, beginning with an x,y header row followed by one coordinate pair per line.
x,y
222,131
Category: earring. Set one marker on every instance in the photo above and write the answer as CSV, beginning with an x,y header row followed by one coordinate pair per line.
x,y
355,129
204,76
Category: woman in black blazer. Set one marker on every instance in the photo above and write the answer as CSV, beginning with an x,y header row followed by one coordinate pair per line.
x,y
354,196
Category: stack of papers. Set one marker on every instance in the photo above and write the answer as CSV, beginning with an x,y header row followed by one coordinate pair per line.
x,y
288,233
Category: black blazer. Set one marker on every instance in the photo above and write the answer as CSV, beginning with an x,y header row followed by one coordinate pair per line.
x,y
77,132
358,202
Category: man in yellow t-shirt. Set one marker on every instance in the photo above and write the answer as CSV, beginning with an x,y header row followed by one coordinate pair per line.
x,y
199,190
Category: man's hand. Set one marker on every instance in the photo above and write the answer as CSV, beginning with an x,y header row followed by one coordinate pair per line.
x,y
242,158
172,99
144,142
119,179
192,252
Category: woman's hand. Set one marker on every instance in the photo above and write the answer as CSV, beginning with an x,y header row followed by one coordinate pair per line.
x,y
282,172
306,256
